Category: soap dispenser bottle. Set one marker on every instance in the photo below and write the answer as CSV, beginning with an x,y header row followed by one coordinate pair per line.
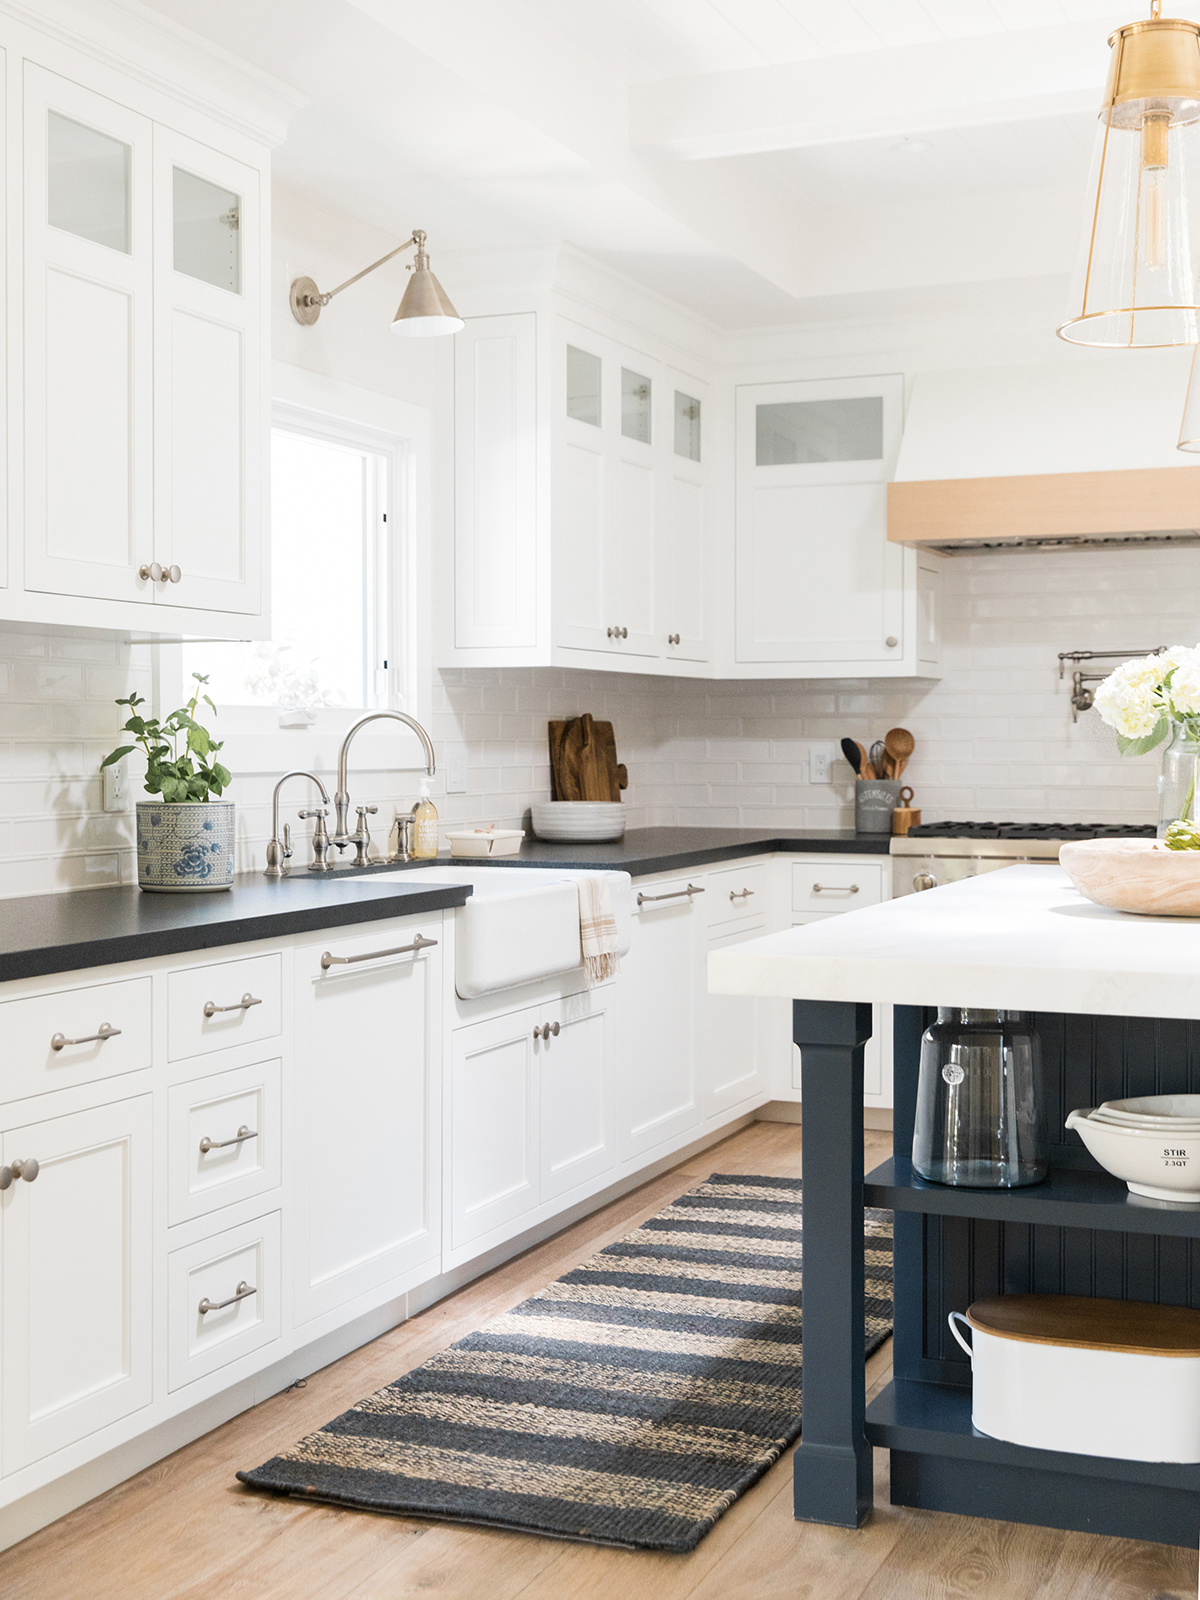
x,y
425,826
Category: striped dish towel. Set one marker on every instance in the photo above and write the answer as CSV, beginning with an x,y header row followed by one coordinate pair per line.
x,y
597,930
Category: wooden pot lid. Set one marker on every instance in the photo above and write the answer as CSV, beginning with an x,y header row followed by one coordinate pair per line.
x,y
1132,1327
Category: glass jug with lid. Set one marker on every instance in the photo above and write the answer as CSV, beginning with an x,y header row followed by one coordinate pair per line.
x,y
980,1122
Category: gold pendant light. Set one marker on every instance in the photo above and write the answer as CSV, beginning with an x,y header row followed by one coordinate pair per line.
x,y
1135,277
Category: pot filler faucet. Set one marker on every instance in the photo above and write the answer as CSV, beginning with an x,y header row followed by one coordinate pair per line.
x,y
361,837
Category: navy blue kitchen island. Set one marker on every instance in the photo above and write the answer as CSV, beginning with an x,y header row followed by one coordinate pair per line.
x,y
1014,940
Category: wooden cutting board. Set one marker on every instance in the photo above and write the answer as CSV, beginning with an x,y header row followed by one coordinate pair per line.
x,y
583,761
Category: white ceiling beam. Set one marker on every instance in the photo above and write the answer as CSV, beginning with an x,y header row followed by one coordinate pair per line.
x,y
513,55
909,89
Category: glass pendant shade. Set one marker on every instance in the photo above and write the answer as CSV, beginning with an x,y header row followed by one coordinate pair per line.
x,y
426,310
1189,429
1135,276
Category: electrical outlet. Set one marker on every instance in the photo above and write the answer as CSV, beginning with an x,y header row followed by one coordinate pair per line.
x,y
456,769
820,759
116,787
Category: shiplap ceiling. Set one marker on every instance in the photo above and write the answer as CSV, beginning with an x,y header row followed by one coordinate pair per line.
x,y
738,155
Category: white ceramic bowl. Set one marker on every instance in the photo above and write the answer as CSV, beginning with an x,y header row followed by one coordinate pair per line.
x,y
1161,1164
1157,1105
580,821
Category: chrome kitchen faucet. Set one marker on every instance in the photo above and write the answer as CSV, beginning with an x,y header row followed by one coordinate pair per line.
x,y
279,852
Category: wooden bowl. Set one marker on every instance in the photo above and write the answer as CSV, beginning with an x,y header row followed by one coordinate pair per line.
x,y
1138,875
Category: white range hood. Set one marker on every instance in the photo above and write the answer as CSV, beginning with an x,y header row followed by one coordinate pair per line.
x,y
1075,452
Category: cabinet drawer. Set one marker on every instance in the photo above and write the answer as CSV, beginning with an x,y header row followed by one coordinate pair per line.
x,y
836,885
50,1039
738,894
222,1139
216,1270
228,1003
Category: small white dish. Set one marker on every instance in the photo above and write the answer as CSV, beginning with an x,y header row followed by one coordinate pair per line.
x,y
471,842
1163,1164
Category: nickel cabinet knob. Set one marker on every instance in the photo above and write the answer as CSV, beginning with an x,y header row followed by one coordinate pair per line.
x,y
27,1169
672,638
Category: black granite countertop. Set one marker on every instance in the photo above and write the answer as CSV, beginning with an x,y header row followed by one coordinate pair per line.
x,y
49,933
646,850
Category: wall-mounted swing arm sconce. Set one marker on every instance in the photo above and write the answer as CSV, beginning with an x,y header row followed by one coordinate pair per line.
x,y
423,313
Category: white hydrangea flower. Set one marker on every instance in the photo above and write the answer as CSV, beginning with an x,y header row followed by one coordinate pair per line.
x,y
1128,699
1184,689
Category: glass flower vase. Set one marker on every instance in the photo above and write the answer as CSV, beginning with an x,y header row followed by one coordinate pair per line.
x,y
1179,780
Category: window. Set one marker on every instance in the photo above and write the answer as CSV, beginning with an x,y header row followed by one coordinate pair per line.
x,y
803,432
329,582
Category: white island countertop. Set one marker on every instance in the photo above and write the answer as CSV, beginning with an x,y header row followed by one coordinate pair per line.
x,y
1022,939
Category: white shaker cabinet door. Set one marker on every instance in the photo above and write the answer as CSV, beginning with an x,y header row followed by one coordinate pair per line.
x,y
817,580
744,1038
578,1126
89,329
661,989
496,601
208,412
367,1088
75,1245
493,1139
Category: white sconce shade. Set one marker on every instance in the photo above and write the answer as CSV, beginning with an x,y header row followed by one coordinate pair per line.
x,y
1135,276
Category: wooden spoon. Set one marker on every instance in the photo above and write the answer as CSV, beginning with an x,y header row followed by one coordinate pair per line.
x,y
899,744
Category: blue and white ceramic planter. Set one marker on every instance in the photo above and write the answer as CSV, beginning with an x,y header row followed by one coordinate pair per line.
x,y
185,848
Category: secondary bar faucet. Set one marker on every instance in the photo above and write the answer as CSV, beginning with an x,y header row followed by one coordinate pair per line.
x,y
361,837
279,851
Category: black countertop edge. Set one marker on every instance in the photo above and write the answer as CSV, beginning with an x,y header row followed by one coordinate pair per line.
x,y
47,934
648,850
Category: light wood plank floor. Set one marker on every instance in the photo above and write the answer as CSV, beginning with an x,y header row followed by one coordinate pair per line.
x,y
186,1530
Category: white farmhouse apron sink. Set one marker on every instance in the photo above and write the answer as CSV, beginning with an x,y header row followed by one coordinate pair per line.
x,y
521,923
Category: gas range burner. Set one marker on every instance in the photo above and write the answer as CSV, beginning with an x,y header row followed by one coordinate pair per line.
x,y
1033,830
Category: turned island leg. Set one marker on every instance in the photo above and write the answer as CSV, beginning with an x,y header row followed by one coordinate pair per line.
x,y
832,1475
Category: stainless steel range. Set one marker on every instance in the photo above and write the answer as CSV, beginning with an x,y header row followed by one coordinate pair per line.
x,y
944,852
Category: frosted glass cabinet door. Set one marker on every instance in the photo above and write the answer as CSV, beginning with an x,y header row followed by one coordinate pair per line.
x,y
682,552
89,326
208,373
817,580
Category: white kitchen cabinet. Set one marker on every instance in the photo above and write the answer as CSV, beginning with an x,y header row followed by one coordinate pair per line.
x,y
496,534
660,1089
208,378
89,341
367,1117
75,1250
682,576
493,1113
530,1115
608,503
577,1122
139,291
817,581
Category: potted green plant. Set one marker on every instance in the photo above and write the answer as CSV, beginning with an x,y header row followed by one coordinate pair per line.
x,y
185,838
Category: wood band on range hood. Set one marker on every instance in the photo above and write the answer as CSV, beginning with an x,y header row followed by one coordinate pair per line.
x,y
1046,505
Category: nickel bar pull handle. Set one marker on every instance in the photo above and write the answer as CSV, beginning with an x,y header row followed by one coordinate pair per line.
x,y
835,888
675,894
59,1041
211,1007
243,1292
419,943
240,1137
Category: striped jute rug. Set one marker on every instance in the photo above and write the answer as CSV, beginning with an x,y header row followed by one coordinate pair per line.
x,y
629,1403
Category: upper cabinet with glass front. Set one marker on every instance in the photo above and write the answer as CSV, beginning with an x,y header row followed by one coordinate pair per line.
x,y
819,587
143,421
627,540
